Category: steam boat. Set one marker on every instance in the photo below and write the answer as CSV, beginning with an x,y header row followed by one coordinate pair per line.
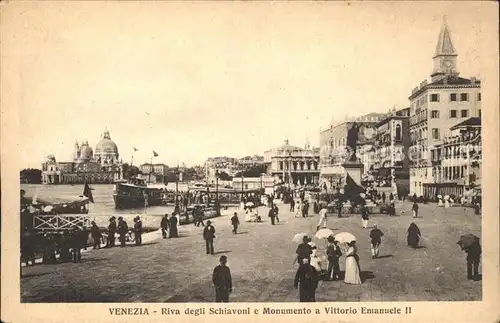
x,y
136,194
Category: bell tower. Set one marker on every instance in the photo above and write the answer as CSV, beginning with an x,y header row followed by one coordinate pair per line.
x,y
445,57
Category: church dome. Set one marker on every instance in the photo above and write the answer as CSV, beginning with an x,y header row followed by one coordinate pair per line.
x,y
106,145
86,152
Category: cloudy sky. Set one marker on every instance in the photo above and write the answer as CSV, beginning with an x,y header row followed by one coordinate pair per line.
x,y
209,79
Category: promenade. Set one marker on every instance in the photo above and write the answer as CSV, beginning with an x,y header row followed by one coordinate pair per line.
x,y
261,259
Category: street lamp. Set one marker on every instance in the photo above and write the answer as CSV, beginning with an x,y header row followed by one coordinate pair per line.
x,y
242,180
217,207
176,209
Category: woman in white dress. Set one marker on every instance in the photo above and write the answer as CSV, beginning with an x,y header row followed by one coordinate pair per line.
x,y
352,270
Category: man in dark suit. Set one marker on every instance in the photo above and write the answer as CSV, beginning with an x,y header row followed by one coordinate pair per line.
x,y
138,231
164,226
304,250
209,235
223,284
473,258
235,222
333,253
272,214
306,279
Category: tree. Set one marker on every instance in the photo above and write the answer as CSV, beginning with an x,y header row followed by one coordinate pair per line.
x,y
253,171
223,176
31,176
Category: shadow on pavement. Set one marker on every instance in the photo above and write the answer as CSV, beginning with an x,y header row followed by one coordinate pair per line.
x,y
144,244
244,232
384,256
33,275
364,275
222,251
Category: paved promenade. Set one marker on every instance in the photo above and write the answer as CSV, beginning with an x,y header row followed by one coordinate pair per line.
x,y
261,259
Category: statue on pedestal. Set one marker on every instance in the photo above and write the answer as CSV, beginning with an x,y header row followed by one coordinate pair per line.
x,y
352,141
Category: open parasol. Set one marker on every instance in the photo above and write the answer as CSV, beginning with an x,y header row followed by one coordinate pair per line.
x,y
323,233
249,204
345,237
467,240
298,238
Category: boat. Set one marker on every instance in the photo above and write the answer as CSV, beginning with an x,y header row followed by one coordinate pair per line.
x,y
134,194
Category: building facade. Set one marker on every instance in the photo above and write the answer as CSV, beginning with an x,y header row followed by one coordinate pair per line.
x,y
387,160
155,173
457,159
437,106
102,167
334,153
293,165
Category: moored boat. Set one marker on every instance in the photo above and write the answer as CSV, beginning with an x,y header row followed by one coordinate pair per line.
x,y
135,194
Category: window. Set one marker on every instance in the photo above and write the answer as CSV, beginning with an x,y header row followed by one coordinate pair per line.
x,y
464,97
435,133
453,96
479,96
434,97
464,113
453,113
434,114
479,113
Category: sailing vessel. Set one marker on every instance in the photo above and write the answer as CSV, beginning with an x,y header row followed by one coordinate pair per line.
x,y
135,193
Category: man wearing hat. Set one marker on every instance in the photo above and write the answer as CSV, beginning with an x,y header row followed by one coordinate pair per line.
x,y
223,284
122,230
235,222
376,239
138,230
111,232
304,250
306,279
164,226
208,236
333,253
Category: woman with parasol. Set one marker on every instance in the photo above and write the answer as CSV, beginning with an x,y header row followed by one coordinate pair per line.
x,y
352,269
470,244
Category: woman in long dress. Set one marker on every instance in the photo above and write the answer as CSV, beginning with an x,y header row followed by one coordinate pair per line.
x,y
413,235
352,270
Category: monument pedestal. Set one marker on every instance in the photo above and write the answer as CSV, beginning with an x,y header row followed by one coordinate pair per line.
x,y
355,170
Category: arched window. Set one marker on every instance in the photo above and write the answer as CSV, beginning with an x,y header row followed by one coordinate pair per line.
x,y
398,132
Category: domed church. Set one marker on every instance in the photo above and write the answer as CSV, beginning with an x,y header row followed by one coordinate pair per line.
x,y
101,165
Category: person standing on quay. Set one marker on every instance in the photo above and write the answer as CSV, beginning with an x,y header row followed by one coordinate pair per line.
x,y
473,258
333,253
138,231
173,227
304,250
322,218
122,230
276,212
111,232
272,214
95,232
222,281
383,197
352,269
292,205
209,236
164,226
306,279
235,222
364,216
414,209
376,239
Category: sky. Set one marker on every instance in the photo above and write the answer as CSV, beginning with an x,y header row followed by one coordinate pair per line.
x,y
217,79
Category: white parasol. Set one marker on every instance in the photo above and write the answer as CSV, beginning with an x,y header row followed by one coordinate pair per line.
x,y
298,238
439,196
345,237
324,233
249,204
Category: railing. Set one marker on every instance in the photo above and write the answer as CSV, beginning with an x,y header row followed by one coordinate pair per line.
x,y
60,222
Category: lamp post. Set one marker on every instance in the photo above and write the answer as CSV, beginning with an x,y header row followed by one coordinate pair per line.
x,y
242,180
217,207
176,209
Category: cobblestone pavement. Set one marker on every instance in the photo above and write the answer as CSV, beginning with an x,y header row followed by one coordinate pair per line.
x,y
261,258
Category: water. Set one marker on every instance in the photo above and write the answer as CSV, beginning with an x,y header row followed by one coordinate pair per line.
x,y
103,207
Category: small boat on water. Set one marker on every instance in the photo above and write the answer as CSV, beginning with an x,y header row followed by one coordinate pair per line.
x,y
135,193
